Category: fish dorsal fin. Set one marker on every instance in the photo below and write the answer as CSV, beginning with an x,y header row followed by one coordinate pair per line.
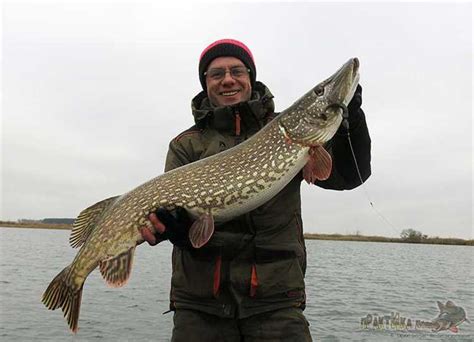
x,y
116,270
85,222
201,230
318,166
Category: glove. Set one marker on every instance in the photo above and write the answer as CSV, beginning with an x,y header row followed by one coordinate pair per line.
x,y
173,226
356,101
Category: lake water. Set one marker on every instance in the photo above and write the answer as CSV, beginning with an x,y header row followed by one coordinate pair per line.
x,y
345,282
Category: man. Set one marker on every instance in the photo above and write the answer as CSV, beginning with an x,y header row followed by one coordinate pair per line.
x,y
247,282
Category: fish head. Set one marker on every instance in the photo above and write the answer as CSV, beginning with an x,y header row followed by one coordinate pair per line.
x,y
316,116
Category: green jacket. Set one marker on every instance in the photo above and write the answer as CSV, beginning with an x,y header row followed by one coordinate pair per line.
x,y
256,262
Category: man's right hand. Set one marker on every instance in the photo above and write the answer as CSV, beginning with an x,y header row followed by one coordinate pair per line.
x,y
173,226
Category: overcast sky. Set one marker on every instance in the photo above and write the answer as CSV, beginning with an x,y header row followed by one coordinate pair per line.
x,y
94,91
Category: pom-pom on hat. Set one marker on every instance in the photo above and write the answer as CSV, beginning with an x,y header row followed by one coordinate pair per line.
x,y
226,48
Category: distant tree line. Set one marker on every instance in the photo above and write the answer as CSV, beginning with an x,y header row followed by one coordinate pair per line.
x,y
411,235
58,220
49,220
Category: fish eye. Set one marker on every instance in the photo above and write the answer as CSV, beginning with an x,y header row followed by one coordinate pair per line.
x,y
319,91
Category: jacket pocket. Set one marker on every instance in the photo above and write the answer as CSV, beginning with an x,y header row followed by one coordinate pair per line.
x,y
193,277
279,277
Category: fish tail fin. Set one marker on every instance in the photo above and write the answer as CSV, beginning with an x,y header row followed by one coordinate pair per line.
x,y
60,294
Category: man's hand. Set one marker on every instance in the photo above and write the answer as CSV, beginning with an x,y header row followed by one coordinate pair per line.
x,y
173,226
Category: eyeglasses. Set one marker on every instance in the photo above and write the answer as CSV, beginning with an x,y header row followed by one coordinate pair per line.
x,y
218,74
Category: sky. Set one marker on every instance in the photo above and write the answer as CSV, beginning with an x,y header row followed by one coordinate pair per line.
x,y
92,93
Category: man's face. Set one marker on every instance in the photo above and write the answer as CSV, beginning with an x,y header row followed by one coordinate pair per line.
x,y
230,89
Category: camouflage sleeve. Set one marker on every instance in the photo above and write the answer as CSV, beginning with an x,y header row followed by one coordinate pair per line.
x,y
344,175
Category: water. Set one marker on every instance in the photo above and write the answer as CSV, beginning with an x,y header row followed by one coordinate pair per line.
x,y
345,282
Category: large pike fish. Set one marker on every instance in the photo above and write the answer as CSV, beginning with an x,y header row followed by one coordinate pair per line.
x,y
214,189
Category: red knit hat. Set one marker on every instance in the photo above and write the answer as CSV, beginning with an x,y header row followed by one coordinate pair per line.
x,y
226,48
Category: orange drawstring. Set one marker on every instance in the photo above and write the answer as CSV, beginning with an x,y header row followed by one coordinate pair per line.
x,y
237,123
253,281
217,276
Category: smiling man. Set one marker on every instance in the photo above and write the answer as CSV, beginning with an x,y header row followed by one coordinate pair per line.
x,y
247,282
228,81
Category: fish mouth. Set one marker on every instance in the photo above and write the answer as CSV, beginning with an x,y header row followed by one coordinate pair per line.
x,y
356,62
355,80
346,79
320,112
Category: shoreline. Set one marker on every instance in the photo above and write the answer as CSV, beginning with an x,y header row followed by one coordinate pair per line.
x,y
365,238
35,225
307,236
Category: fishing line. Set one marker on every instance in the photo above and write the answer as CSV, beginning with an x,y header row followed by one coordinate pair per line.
x,y
382,217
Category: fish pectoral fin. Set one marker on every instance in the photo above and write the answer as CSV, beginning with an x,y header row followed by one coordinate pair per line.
x,y
116,270
454,329
318,166
86,221
201,230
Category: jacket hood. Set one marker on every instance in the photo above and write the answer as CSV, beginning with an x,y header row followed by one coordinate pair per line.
x,y
259,106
